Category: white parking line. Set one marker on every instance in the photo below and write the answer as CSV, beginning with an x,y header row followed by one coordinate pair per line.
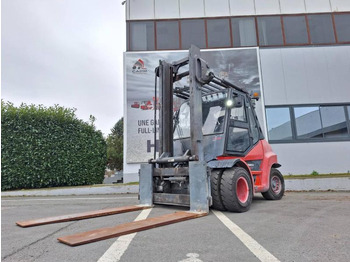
x,y
259,251
69,199
117,249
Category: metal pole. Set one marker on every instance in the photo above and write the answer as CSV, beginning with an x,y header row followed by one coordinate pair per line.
x,y
195,105
166,117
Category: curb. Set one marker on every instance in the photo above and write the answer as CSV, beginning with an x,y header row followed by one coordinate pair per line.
x,y
101,190
317,184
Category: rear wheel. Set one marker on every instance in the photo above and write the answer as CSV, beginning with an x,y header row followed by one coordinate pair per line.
x,y
276,189
236,189
215,180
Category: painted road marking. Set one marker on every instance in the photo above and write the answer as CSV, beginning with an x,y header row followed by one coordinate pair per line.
x,y
259,251
117,249
191,257
69,199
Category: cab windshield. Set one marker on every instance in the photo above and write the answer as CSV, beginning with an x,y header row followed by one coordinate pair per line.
x,y
213,109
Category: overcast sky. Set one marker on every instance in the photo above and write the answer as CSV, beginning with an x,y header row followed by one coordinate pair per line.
x,y
66,52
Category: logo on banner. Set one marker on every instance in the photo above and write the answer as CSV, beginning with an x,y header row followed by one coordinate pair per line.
x,y
139,67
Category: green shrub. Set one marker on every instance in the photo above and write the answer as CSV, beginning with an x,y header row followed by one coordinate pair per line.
x,y
48,147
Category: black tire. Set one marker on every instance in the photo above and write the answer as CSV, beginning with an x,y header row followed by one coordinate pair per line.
x,y
215,180
277,187
236,189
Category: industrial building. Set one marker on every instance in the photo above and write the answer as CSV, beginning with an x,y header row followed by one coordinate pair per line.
x,y
295,52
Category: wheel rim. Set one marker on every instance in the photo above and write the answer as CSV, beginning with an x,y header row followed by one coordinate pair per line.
x,y
276,184
242,190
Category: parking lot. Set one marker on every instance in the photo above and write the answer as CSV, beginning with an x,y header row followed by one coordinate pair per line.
x,y
307,226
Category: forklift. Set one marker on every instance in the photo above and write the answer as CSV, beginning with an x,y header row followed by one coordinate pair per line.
x,y
212,153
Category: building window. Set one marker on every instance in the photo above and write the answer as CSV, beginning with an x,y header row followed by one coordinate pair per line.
x,y
141,36
295,29
342,25
218,33
321,29
264,31
168,35
278,123
243,31
333,121
192,32
270,30
308,123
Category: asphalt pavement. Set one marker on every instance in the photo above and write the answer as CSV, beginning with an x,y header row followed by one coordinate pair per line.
x,y
303,226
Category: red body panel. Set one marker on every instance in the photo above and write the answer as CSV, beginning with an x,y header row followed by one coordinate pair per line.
x,y
261,151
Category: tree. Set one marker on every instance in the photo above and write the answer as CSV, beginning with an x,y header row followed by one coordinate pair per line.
x,y
115,146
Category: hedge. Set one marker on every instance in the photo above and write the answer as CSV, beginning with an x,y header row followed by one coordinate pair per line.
x,y
48,147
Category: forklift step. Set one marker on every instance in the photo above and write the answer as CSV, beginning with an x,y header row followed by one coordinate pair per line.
x,y
127,228
79,216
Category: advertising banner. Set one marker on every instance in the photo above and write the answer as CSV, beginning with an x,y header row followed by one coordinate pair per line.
x,y
239,66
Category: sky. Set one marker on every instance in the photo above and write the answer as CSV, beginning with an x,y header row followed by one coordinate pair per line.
x,y
65,52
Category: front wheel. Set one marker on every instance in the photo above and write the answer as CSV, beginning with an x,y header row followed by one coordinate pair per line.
x,y
236,189
276,189
215,181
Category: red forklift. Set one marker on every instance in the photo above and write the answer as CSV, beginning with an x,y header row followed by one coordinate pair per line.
x,y
212,153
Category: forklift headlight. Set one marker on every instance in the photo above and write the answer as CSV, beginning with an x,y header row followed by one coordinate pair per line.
x,y
229,103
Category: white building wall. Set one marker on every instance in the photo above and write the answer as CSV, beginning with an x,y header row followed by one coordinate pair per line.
x,y
192,8
303,158
292,6
170,9
242,7
340,5
166,9
266,7
216,8
305,75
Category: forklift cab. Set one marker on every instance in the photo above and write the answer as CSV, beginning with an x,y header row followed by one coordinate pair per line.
x,y
229,125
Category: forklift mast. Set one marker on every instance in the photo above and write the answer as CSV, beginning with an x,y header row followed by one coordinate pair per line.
x,y
190,169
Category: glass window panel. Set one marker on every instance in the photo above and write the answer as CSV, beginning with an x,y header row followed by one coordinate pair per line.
x,y
168,35
182,129
333,121
218,33
295,29
253,126
193,32
278,123
238,139
141,36
270,30
213,117
243,30
238,113
342,25
321,29
308,122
